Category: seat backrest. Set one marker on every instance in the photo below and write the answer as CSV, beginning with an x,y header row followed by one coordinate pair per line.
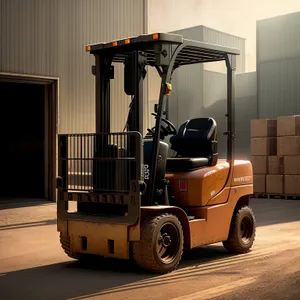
x,y
196,138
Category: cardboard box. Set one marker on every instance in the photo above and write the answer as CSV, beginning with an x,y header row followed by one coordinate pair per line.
x,y
275,184
263,146
288,125
292,165
259,164
292,185
288,145
276,165
259,184
263,128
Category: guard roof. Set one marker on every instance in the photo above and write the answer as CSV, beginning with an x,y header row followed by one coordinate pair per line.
x,y
192,52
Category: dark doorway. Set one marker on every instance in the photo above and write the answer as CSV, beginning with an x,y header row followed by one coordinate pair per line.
x,y
22,148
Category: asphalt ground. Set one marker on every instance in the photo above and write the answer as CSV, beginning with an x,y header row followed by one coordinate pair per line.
x,y
33,265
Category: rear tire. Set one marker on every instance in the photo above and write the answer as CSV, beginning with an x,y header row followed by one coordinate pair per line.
x,y
161,244
242,231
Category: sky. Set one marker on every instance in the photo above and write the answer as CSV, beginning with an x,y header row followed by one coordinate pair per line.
x,y
237,17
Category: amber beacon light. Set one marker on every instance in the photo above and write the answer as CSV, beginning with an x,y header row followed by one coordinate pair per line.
x,y
155,36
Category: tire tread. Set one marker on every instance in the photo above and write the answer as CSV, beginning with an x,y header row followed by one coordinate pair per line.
x,y
233,245
65,244
143,250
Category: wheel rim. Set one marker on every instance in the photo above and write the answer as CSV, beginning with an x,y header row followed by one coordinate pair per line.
x,y
246,229
167,245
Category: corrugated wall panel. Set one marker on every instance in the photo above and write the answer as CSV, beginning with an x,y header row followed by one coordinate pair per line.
x,y
245,111
197,93
48,37
29,36
186,100
192,33
210,35
278,66
215,105
279,89
278,38
103,20
213,36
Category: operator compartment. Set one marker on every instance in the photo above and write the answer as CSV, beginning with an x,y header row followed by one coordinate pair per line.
x,y
194,174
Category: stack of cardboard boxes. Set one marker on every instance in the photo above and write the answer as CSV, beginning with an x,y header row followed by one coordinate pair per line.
x,y
288,146
275,155
263,146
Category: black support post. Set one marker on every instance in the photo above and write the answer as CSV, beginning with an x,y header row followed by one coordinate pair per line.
x,y
231,69
63,168
103,76
63,160
138,67
166,57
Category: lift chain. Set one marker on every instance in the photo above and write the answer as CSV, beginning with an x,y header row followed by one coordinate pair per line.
x,y
232,135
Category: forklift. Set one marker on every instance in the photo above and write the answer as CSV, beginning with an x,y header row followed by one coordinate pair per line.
x,y
132,199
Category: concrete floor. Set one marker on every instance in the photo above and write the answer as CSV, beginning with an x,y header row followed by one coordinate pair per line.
x,y
33,265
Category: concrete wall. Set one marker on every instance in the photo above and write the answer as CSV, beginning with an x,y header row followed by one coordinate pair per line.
x,y
213,36
237,17
48,38
246,110
278,66
200,93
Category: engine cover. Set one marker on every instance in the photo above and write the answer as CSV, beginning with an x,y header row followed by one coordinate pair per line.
x,y
203,186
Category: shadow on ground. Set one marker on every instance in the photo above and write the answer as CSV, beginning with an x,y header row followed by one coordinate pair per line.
x,y
73,279
275,211
105,276
7,203
28,224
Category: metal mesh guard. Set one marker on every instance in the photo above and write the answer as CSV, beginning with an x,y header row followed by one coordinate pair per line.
x,y
100,163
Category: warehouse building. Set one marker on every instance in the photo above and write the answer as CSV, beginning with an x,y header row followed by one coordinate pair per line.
x,y
278,66
200,90
45,75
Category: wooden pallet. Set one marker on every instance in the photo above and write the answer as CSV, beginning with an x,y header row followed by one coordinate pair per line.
x,y
257,195
276,196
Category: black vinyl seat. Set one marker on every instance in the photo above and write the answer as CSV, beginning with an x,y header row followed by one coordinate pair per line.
x,y
195,144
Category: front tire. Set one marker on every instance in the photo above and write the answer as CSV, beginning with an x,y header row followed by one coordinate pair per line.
x,y
161,244
242,231
65,244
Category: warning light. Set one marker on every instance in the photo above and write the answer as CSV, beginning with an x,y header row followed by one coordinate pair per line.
x,y
155,36
115,44
88,48
183,185
127,41
168,89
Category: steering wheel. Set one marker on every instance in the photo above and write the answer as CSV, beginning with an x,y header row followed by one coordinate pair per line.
x,y
170,129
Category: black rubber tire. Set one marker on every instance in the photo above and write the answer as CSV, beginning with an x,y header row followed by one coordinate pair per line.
x,y
145,251
65,244
239,241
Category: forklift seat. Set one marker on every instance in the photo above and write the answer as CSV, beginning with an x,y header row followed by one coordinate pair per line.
x,y
195,144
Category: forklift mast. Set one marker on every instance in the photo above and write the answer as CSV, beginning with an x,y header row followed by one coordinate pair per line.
x,y
168,55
